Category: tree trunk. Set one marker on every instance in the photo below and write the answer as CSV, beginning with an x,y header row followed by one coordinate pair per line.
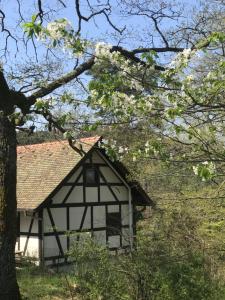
x,y
9,289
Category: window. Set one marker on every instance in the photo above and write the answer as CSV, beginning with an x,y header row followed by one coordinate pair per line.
x,y
91,176
113,223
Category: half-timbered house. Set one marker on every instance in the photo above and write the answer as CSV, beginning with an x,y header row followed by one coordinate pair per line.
x,y
61,194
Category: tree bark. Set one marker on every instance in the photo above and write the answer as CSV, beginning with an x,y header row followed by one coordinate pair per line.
x,y
9,289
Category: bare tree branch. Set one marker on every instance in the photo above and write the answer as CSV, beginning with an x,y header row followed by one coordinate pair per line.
x,y
53,121
160,32
61,81
40,13
8,33
63,4
158,50
105,11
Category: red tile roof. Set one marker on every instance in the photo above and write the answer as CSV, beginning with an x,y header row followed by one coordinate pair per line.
x,y
41,168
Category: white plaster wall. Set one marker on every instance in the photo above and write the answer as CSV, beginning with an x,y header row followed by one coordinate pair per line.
x,y
99,216
121,192
100,237
114,241
51,247
25,223
76,214
32,246
59,217
125,214
76,195
73,177
33,242
91,194
106,195
63,240
47,226
87,220
59,197
109,175
113,208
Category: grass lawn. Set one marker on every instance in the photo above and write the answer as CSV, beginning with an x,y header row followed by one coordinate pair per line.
x,y
36,283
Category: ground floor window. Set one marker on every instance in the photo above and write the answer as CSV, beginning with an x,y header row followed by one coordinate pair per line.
x,y
113,223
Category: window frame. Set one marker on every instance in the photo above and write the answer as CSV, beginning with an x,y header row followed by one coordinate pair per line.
x,y
96,181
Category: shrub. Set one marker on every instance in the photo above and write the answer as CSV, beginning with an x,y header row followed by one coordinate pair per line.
x,y
96,272
169,263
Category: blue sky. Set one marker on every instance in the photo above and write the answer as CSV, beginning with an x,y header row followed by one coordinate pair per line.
x,y
97,29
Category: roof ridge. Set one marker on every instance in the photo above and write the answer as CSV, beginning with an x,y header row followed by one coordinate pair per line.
x,y
82,140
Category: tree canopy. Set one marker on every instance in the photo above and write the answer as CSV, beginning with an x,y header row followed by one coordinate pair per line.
x,y
144,63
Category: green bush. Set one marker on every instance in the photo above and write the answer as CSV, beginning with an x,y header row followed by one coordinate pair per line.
x,y
169,263
96,272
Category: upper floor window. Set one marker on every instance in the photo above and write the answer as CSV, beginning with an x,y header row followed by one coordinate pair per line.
x,y
91,176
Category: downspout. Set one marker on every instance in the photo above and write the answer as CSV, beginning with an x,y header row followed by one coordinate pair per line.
x,y
131,233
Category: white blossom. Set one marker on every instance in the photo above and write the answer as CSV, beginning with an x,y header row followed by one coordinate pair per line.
x,y
121,150
186,52
105,142
102,50
190,78
134,158
195,170
56,28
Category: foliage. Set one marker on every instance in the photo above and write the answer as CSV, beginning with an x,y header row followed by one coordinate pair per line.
x,y
26,138
169,262
95,272
174,89
181,105
170,86
37,283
